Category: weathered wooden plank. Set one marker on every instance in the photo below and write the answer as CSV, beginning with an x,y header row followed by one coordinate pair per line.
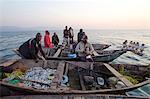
x,y
8,63
91,68
82,82
58,76
66,69
57,53
117,74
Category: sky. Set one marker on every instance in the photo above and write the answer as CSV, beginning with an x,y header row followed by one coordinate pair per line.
x,y
89,14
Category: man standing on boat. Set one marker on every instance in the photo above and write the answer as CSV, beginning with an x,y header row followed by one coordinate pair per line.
x,y
71,35
47,40
32,49
80,35
66,36
84,49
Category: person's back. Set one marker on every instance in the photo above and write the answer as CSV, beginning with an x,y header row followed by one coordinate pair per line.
x,y
47,40
80,35
66,33
27,48
24,49
71,35
55,39
65,37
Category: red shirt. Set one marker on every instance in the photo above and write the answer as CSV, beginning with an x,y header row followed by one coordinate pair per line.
x,y
47,42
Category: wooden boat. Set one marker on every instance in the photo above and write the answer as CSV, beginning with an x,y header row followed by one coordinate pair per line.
x,y
99,56
76,72
105,56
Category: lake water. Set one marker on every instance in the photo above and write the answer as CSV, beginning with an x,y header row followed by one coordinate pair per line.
x,y
13,39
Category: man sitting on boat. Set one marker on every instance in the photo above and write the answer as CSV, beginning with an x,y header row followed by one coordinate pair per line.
x,y
83,48
31,48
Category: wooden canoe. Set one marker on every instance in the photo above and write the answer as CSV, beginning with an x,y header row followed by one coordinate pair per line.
x,y
99,69
102,56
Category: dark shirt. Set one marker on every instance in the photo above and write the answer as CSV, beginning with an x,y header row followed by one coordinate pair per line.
x,y
66,33
80,35
30,49
55,39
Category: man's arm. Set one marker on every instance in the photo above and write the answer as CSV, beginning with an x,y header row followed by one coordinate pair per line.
x,y
91,49
41,50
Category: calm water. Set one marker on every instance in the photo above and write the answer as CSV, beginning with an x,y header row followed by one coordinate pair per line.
x,y
10,40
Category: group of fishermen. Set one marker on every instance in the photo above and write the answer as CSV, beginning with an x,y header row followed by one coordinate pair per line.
x,y
32,49
133,46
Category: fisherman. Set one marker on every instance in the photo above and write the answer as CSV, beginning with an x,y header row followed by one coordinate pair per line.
x,y
47,40
55,39
71,35
137,46
84,49
130,45
134,45
80,35
125,44
66,36
32,49
141,48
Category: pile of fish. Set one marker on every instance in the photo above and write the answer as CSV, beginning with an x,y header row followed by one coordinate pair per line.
x,y
42,76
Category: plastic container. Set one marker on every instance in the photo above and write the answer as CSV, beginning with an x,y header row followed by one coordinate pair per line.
x,y
72,55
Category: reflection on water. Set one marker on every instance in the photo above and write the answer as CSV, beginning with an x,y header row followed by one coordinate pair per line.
x,y
10,40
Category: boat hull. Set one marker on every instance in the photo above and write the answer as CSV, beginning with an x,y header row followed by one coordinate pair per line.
x,y
53,64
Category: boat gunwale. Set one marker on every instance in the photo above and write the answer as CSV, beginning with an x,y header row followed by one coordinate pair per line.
x,y
81,91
